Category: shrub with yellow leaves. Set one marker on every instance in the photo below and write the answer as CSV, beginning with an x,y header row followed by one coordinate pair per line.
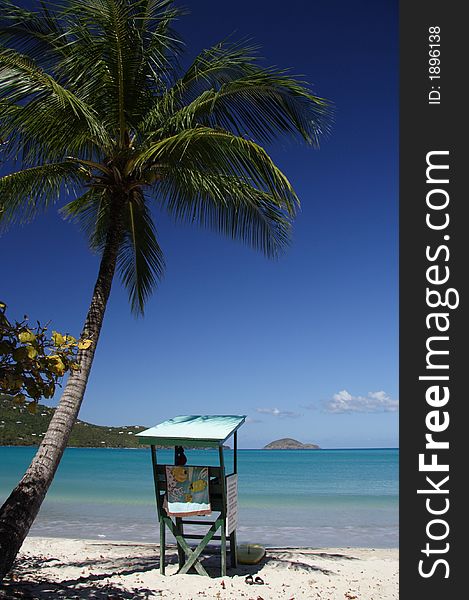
x,y
31,362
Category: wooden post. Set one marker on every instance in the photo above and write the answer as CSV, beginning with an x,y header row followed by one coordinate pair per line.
x,y
223,514
159,508
233,547
180,530
223,549
233,550
235,452
162,546
155,479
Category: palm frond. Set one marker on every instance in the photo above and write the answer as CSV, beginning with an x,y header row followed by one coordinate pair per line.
x,y
161,43
263,104
92,212
35,33
24,193
21,78
42,131
219,64
45,119
228,205
122,50
207,150
210,69
233,93
140,262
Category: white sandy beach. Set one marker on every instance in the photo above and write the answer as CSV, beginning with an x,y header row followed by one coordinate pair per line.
x,y
71,568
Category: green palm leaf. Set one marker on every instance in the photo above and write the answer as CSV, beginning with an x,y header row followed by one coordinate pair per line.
x,y
93,103
42,117
21,78
141,262
36,34
206,149
233,93
91,211
24,193
228,205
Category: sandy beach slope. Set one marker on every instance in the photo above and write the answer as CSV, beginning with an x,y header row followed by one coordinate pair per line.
x,y
60,568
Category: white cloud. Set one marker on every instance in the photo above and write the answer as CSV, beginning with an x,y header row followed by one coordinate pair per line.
x,y
250,420
275,412
373,402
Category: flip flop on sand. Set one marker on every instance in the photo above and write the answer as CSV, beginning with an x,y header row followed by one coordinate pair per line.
x,y
250,581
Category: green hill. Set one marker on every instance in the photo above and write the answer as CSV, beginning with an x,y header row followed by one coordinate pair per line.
x,y
18,427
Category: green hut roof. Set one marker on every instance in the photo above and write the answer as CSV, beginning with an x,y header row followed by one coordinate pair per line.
x,y
192,430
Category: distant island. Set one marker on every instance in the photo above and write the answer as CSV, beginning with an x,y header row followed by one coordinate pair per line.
x,y
289,444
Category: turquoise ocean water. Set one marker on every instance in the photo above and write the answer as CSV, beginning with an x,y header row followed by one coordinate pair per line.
x,y
286,497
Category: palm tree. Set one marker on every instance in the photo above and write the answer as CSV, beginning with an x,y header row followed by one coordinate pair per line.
x,y
95,105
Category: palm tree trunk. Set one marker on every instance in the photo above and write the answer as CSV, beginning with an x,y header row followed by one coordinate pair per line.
x,y
22,506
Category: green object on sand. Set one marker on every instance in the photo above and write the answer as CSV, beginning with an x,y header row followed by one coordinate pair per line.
x,y
250,554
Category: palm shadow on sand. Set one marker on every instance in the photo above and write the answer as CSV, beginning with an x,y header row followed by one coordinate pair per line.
x,y
29,579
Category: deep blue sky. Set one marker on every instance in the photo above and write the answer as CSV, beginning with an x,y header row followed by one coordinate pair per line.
x,y
229,331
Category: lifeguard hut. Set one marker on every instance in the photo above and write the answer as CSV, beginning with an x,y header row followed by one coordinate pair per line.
x,y
184,490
